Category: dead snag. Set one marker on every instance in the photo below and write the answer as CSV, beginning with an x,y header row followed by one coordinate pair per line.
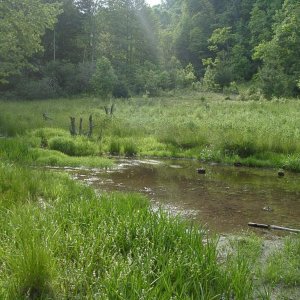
x,y
90,126
106,110
80,126
72,126
112,109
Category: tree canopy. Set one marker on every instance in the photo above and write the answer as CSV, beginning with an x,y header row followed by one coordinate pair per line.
x,y
150,48
22,25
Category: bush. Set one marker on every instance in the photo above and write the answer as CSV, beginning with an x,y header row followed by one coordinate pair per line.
x,y
120,90
104,78
38,89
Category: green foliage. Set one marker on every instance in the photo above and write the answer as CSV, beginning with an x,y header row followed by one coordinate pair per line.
x,y
279,73
130,148
20,151
45,88
114,147
104,78
77,146
32,264
21,28
114,245
188,124
209,83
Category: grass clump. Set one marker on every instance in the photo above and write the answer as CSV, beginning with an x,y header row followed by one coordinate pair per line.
x,y
20,151
283,266
114,147
31,266
130,148
78,146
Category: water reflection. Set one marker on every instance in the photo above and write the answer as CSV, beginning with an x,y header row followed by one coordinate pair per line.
x,y
225,198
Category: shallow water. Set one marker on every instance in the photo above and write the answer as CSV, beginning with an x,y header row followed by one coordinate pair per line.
x,y
226,198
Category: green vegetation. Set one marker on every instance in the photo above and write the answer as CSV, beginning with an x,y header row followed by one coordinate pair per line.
x,y
19,151
60,240
122,49
284,266
205,126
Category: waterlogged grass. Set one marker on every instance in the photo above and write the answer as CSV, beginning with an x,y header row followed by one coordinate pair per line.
x,y
22,151
203,126
60,240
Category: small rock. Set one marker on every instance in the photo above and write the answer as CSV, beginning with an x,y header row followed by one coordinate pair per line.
x,y
268,208
201,171
237,164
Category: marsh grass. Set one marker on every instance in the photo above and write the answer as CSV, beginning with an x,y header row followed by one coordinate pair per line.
x,y
26,151
60,240
79,146
283,267
196,125
114,147
130,148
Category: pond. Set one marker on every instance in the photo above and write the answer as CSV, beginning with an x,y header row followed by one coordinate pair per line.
x,y
226,198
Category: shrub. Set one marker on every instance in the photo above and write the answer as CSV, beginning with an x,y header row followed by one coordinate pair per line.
x,y
104,78
38,89
120,90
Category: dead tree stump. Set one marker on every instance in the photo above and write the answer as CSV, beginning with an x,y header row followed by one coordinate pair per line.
x,y
90,126
80,126
72,126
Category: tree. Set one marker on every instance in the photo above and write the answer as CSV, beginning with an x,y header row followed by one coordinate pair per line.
x,y
280,56
104,78
22,24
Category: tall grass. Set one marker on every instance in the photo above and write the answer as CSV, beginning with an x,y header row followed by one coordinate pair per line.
x,y
24,151
60,240
204,126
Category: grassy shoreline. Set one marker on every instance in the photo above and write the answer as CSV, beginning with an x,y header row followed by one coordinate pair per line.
x,y
59,240
196,125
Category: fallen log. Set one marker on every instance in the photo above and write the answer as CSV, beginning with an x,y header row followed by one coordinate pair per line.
x,y
266,226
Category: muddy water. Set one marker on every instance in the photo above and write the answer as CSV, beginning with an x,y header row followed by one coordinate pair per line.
x,y
226,198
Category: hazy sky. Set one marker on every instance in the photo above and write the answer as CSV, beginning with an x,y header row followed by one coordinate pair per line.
x,y
153,2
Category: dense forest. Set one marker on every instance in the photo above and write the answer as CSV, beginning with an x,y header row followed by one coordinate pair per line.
x,y
121,48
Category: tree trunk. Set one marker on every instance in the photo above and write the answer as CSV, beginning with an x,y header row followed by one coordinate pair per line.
x,y
72,126
90,126
80,126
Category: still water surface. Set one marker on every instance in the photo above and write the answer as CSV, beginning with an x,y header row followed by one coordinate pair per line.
x,y
226,198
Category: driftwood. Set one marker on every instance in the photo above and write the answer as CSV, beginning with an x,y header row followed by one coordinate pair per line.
x,y
266,226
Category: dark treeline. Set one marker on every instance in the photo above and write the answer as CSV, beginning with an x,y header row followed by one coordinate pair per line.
x,y
123,47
